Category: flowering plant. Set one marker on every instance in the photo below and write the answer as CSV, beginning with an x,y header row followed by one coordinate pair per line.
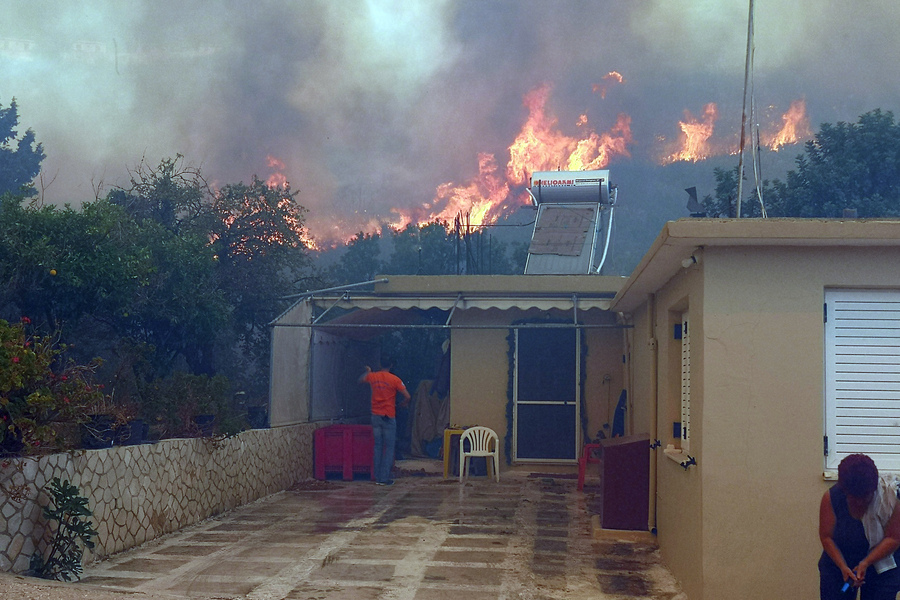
x,y
40,390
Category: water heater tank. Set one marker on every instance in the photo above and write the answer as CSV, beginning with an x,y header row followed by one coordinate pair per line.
x,y
570,186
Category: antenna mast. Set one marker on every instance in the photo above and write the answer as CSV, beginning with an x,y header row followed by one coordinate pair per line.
x,y
737,212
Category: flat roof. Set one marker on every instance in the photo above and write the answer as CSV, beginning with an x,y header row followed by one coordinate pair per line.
x,y
679,239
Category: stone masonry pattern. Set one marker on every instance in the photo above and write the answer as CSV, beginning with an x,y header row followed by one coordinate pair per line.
x,y
138,493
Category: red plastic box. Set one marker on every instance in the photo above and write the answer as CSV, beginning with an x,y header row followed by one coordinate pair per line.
x,y
344,449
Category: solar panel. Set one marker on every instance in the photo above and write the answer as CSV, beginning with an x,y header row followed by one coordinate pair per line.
x,y
562,230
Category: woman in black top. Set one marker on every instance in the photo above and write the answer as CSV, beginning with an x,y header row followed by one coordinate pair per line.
x,y
844,537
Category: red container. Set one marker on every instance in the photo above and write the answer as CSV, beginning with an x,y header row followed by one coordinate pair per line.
x,y
344,449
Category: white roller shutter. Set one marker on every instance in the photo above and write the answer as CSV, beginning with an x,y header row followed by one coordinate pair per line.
x,y
685,384
862,376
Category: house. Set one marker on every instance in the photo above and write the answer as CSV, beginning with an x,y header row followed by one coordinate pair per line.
x,y
536,358
755,353
766,350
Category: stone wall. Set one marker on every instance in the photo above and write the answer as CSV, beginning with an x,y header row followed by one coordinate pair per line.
x,y
140,492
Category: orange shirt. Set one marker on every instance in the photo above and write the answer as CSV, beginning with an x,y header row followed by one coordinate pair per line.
x,y
385,386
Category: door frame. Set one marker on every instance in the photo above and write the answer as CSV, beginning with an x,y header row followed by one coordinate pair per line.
x,y
515,404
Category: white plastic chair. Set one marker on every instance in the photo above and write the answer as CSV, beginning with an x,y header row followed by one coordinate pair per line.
x,y
483,441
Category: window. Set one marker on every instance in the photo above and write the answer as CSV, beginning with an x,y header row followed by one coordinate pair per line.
x,y
862,376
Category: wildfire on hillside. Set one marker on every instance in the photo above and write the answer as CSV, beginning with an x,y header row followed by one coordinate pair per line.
x,y
541,145
795,127
694,142
483,198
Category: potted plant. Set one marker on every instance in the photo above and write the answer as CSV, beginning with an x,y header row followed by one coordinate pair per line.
x,y
196,405
130,428
105,423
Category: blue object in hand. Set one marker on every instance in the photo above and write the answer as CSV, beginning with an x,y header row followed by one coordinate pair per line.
x,y
845,587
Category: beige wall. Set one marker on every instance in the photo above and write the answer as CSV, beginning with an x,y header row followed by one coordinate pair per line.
x,y
478,377
604,359
678,518
757,374
480,369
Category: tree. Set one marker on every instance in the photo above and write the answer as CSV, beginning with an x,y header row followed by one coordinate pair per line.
x,y
723,203
423,250
254,236
170,194
103,276
846,166
58,264
360,260
19,165
258,239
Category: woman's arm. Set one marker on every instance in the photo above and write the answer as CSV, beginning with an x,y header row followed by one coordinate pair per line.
x,y
827,521
888,545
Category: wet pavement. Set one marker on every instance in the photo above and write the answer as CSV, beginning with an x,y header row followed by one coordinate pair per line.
x,y
423,538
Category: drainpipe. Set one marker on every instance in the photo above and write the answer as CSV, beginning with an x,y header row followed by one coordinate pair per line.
x,y
653,345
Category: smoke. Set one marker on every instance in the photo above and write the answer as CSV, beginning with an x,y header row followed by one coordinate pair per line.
x,y
373,104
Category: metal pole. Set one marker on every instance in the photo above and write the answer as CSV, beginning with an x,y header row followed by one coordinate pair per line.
x,y
737,212
336,288
440,326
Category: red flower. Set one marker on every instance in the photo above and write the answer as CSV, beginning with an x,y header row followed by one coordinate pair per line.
x,y
15,359
64,378
66,399
26,320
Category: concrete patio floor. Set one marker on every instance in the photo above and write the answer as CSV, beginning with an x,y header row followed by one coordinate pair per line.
x,y
423,538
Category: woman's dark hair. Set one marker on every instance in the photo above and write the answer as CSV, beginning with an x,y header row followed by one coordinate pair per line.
x,y
858,475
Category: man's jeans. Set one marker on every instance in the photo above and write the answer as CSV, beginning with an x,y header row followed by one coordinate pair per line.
x,y
384,430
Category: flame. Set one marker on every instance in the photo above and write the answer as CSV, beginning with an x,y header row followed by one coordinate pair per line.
x,y
794,129
483,198
542,147
612,76
276,179
695,134
254,212
695,141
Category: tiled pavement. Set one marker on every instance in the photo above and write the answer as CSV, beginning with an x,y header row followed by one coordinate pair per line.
x,y
422,539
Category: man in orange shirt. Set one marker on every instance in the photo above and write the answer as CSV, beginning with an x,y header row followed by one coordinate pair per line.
x,y
385,387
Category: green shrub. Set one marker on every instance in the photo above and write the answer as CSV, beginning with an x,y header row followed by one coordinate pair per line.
x,y
40,391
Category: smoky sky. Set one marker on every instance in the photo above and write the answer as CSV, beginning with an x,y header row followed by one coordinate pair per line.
x,y
373,104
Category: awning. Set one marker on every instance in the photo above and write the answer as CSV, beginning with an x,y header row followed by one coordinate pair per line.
x,y
364,316
465,302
